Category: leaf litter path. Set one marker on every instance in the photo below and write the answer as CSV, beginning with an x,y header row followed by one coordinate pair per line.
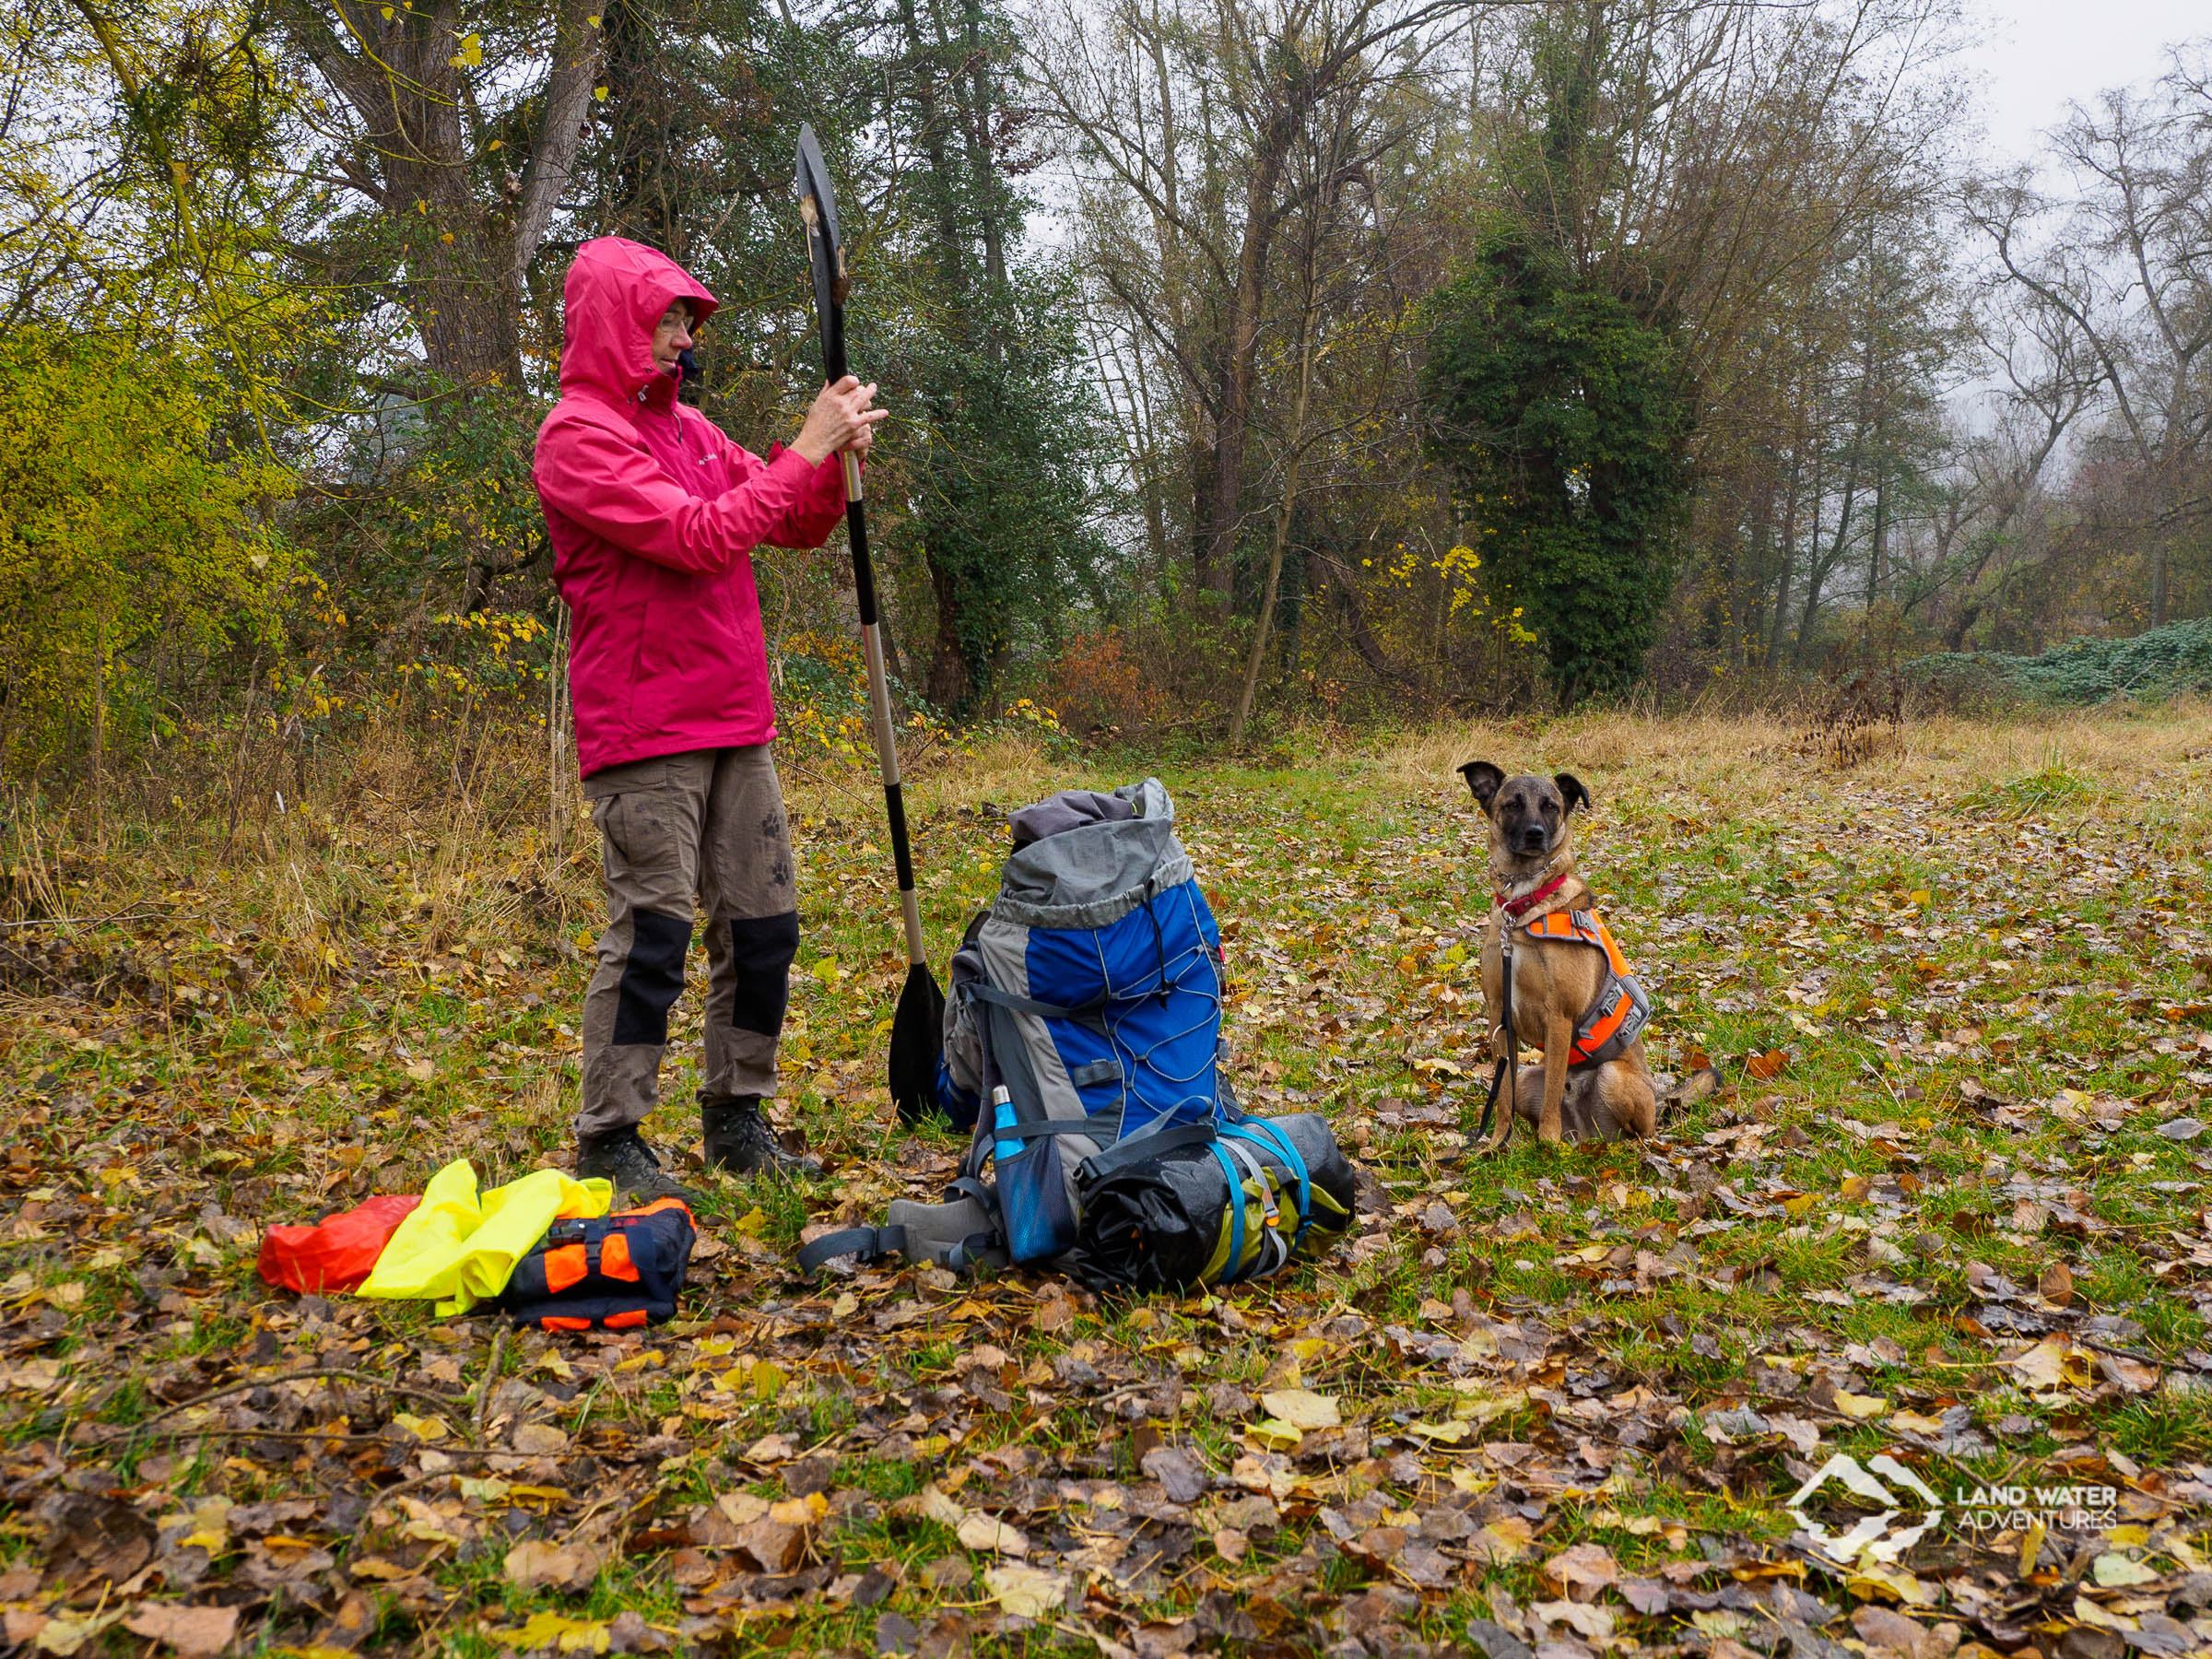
x,y
1946,1208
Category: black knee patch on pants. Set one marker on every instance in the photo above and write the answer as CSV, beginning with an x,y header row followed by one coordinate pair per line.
x,y
761,949
653,978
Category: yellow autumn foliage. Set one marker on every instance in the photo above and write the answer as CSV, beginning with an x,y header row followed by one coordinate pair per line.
x,y
138,552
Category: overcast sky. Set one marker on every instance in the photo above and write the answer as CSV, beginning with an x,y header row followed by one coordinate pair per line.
x,y
2039,54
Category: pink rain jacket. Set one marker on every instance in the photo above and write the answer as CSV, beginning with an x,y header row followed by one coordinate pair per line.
x,y
653,515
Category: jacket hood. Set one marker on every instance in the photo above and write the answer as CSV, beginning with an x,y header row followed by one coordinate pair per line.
x,y
614,293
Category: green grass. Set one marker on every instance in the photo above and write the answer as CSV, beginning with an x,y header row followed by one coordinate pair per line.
x,y
2053,788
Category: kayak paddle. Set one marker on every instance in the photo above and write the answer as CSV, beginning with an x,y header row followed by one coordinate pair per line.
x,y
918,1027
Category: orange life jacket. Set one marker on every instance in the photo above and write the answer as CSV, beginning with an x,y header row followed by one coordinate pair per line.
x,y
616,1273
1620,1010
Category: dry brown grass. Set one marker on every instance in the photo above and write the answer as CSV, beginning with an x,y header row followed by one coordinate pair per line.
x,y
460,829
1009,769
2154,764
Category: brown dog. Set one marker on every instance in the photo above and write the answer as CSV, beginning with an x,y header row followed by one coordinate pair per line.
x,y
1573,992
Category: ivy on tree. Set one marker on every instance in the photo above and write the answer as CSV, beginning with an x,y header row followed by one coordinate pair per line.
x,y
1555,389
1557,409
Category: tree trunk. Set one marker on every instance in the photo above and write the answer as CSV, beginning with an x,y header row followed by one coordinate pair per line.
x,y
1816,578
983,158
1878,540
577,53
1358,630
402,71
1144,436
1780,621
453,293
1962,624
1258,654
942,207
1293,456
949,682
1747,594
1221,505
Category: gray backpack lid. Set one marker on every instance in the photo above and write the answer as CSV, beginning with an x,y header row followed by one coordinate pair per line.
x,y
1070,809
1092,869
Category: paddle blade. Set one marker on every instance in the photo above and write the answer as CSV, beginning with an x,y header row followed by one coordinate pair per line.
x,y
825,252
917,1044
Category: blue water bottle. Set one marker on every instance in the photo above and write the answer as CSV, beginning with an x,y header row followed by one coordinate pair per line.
x,y
1007,1144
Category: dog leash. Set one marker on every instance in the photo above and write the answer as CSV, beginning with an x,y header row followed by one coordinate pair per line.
x,y
1513,1047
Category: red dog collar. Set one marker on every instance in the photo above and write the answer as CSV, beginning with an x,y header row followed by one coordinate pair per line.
x,y
1517,908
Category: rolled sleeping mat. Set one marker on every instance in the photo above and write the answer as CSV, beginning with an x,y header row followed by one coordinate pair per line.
x,y
1167,1223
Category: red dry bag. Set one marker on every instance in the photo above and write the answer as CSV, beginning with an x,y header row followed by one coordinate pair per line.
x,y
338,1252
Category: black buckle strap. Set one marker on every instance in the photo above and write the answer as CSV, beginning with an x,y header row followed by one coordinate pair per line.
x,y
968,1187
1124,1153
977,1252
1089,1013
984,990
871,1244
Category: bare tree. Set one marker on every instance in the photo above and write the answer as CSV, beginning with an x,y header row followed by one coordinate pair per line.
x,y
1993,524
2125,266
1185,119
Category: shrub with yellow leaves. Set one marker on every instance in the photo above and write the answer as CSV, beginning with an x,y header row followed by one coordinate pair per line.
x,y
138,557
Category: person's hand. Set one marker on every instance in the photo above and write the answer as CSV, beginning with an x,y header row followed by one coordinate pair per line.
x,y
839,419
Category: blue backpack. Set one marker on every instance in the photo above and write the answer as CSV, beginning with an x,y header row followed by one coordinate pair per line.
x,y
1083,1041
1085,1008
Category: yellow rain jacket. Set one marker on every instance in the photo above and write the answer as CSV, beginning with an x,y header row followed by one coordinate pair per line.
x,y
460,1246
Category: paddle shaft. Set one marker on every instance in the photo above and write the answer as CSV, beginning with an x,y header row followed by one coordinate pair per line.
x,y
871,647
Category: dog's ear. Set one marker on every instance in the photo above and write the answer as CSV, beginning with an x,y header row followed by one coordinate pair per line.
x,y
1570,790
1483,779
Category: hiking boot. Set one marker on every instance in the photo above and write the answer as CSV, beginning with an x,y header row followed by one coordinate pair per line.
x,y
741,1139
622,1156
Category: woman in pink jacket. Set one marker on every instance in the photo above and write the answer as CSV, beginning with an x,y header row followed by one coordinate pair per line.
x,y
653,515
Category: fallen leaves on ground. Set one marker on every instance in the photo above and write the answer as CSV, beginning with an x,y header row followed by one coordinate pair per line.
x,y
195,1633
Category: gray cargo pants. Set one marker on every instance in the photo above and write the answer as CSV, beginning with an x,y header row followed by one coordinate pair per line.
x,y
708,824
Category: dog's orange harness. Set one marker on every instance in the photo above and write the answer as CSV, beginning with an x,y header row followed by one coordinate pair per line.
x,y
1620,1011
